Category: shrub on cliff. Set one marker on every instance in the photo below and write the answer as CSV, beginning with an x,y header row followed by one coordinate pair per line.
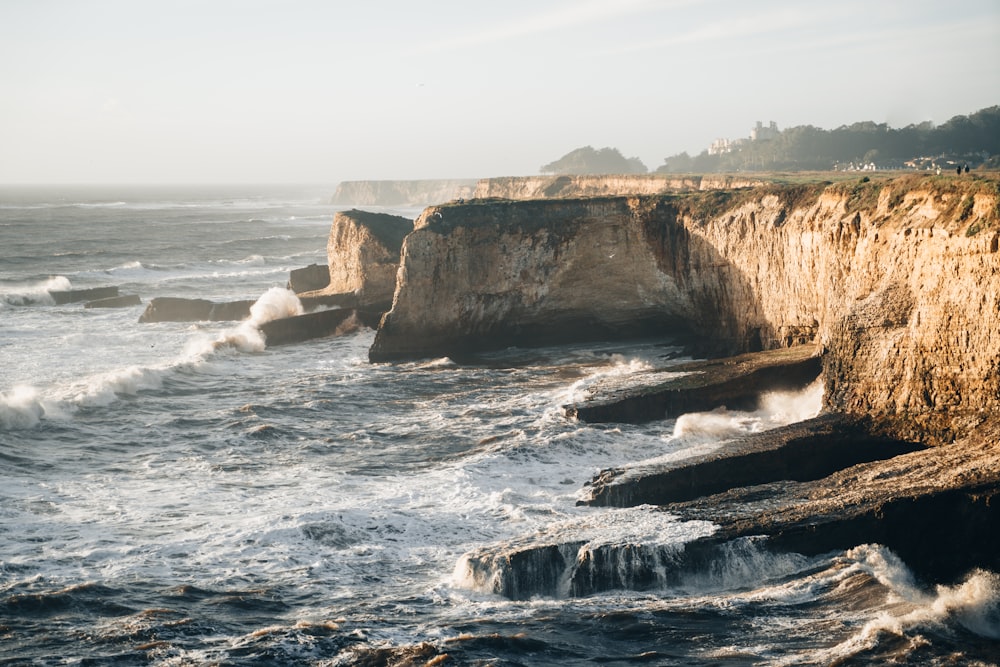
x,y
588,160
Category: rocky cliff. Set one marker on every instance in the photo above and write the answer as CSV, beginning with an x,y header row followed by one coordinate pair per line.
x,y
898,280
564,186
401,193
363,253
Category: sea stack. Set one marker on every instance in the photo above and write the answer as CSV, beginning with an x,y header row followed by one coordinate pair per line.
x,y
363,252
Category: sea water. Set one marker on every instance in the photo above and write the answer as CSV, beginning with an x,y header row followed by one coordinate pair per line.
x,y
180,493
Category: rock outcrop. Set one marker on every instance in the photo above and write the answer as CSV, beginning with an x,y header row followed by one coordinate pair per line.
x,y
363,252
490,274
414,193
935,508
309,278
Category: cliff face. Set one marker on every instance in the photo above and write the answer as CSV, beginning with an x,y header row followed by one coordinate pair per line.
x,y
899,281
492,274
546,187
401,193
363,254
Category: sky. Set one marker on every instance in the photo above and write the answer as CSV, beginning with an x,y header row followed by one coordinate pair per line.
x,y
311,91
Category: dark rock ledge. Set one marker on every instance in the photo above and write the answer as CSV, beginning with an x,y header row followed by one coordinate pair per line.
x,y
734,382
823,485
801,452
932,507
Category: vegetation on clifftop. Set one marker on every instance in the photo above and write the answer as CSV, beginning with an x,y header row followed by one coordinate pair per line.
x,y
964,140
587,160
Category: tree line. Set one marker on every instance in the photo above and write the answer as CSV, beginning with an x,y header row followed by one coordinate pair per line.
x,y
973,140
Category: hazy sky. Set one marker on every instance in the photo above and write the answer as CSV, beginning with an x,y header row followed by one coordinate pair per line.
x,y
322,91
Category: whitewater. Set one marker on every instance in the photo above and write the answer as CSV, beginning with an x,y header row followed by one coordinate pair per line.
x,y
181,493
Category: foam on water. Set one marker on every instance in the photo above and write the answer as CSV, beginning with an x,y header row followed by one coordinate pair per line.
x,y
245,504
974,603
777,408
25,406
21,407
33,293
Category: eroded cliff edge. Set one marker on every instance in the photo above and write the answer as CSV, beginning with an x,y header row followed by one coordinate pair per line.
x,y
897,280
363,252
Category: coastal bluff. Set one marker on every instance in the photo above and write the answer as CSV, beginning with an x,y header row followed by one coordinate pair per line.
x,y
405,193
887,288
896,279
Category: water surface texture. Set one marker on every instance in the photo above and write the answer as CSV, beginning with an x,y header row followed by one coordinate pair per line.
x,y
180,493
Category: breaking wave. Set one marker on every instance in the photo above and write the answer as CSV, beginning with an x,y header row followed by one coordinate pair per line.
x,y
776,408
23,407
34,293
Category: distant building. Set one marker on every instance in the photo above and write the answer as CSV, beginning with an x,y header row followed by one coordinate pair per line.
x,y
761,133
720,146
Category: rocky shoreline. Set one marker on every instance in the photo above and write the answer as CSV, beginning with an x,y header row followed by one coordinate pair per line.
x,y
889,290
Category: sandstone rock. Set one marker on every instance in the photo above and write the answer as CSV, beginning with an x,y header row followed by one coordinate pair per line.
x,y
491,274
309,278
898,282
933,507
363,253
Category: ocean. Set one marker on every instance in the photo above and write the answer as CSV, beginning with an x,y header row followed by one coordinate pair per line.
x,y
179,493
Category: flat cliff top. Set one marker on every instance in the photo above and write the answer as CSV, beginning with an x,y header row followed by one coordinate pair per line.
x,y
389,229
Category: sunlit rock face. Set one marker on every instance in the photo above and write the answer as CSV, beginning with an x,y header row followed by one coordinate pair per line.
x,y
583,185
898,281
488,275
363,255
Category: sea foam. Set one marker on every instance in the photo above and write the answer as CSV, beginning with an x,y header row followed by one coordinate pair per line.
x,y
973,604
776,408
20,408
34,293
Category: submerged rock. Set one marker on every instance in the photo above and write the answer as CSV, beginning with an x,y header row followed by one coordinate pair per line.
x,y
91,294
123,301
176,309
